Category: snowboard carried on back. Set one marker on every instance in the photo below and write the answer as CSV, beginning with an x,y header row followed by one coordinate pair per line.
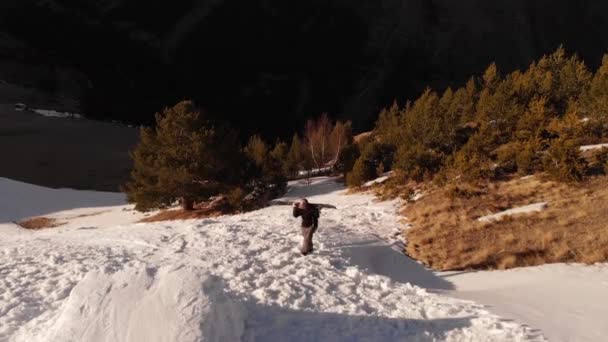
x,y
318,205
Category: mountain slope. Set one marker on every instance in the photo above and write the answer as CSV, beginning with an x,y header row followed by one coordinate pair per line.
x,y
280,62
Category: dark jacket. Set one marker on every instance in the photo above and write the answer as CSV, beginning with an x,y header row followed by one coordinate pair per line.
x,y
310,215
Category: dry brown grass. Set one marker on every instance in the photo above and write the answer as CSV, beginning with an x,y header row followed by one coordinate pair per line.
x,y
88,214
40,223
180,214
447,236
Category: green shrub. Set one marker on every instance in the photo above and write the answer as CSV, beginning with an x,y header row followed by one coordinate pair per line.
x,y
600,158
347,158
563,161
366,167
295,157
472,166
362,171
416,162
266,171
507,156
376,153
236,199
527,158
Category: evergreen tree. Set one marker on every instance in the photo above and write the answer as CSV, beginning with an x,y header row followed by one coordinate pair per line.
x,y
347,158
563,161
373,154
185,158
295,157
534,121
416,161
267,174
362,171
491,77
464,101
279,153
595,102
499,124
388,125
257,150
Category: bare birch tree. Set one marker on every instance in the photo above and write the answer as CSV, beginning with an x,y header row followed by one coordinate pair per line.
x,y
324,140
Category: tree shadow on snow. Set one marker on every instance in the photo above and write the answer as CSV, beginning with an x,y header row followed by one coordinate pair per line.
x,y
318,186
382,259
271,323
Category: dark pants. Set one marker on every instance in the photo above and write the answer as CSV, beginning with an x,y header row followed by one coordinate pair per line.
x,y
307,233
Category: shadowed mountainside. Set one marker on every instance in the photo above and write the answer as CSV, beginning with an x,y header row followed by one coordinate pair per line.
x,y
267,65
64,153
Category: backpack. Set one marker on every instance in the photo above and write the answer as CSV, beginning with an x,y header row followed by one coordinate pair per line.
x,y
316,212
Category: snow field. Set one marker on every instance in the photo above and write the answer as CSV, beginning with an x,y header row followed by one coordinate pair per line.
x,y
230,278
567,301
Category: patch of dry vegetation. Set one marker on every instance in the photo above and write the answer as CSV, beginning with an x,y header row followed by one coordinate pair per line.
x,y
96,213
180,214
214,208
40,223
447,236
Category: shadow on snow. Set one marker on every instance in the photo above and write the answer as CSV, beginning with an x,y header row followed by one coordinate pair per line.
x,y
318,186
382,259
270,323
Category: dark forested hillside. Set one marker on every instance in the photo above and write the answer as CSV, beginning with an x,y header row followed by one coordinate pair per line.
x,y
267,65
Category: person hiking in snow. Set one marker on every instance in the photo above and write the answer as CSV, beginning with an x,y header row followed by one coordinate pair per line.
x,y
310,222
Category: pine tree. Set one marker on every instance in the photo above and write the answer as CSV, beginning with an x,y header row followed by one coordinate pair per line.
x,y
267,174
534,121
361,172
491,77
388,125
595,102
257,150
366,167
279,153
347,158
185,158
294,156
563,161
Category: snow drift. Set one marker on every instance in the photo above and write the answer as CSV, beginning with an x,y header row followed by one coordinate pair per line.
x,y
144,304
526,209
593,147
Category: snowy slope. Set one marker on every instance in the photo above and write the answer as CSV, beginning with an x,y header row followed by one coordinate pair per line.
x,y
569,302
232,277
19,200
